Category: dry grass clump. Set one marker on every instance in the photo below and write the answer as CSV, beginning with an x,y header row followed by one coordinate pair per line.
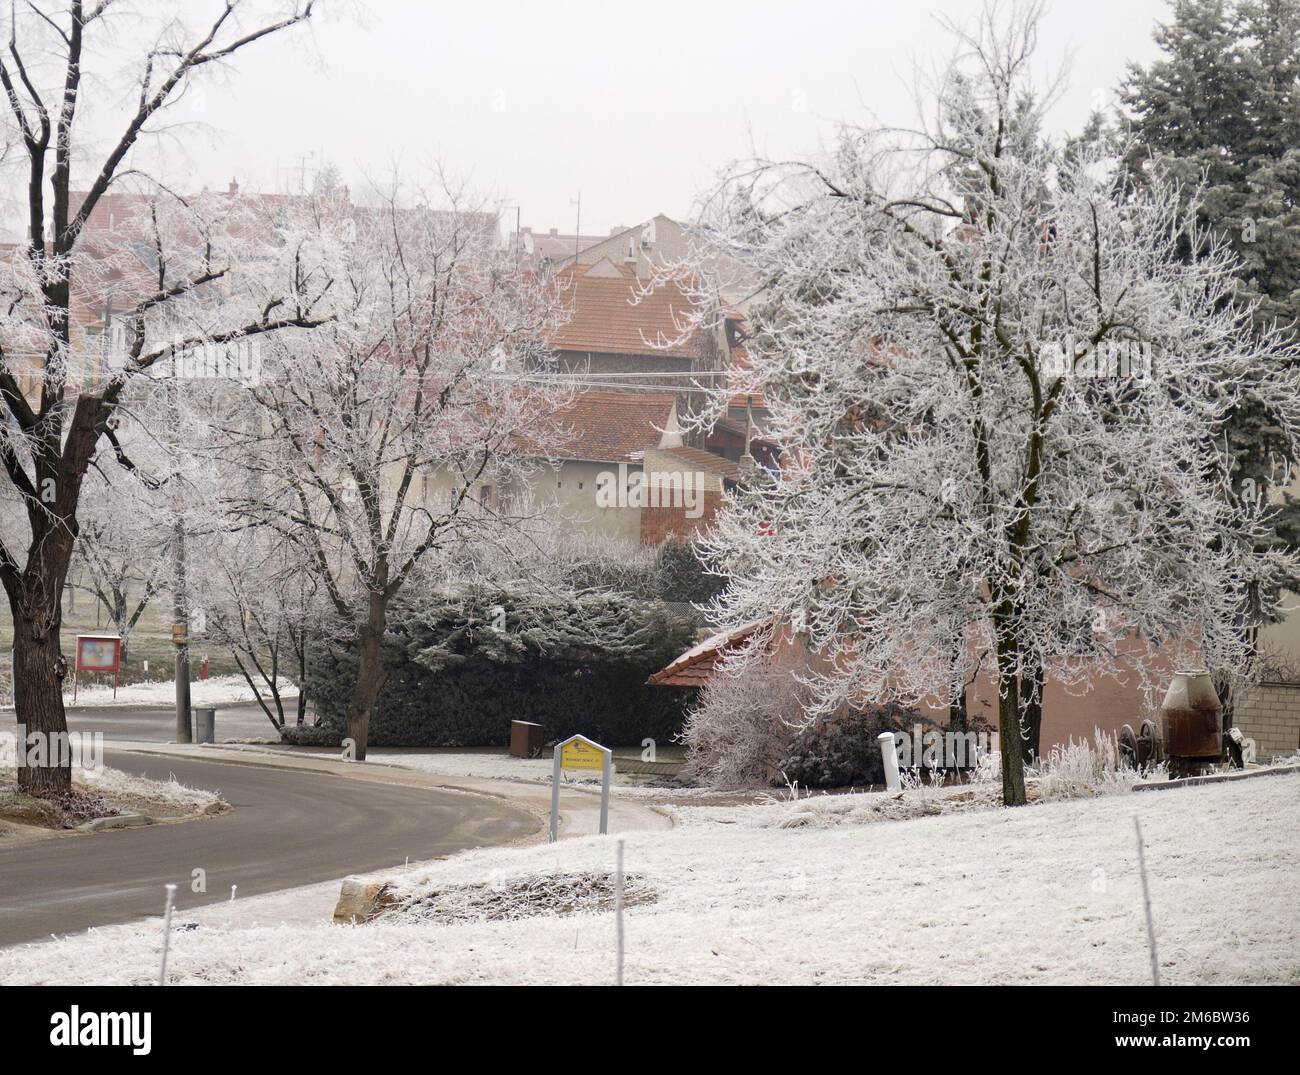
x,y
527,897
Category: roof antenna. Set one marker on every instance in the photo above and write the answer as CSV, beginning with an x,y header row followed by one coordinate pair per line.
x,y
577,228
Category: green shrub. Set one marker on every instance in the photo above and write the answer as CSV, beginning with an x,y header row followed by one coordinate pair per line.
x,y
843,752
681,577
461,667
669,572
311,735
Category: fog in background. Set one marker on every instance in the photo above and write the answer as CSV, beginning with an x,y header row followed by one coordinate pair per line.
x,y
633,106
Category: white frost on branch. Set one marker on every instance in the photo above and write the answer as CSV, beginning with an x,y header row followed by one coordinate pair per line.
x,y
1000,391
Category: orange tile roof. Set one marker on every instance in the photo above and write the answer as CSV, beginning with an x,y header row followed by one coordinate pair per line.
x,y
694,667
698,457
611,426
608,318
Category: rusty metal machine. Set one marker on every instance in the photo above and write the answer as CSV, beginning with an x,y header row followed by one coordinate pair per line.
x,y
1193,723
1144,747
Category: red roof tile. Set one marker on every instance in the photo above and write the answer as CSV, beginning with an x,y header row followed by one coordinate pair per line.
x,y
703,460
694,667
608,317
612,426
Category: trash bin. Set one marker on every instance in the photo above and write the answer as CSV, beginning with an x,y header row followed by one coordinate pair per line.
x,y
205,724
526,739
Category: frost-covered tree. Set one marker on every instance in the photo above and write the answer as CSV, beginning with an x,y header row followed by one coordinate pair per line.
x,y
129,63
389,440
742,725
1001,394
264,607
123,547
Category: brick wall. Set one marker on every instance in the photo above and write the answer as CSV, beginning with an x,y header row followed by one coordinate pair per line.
x,y
1270,715
658,524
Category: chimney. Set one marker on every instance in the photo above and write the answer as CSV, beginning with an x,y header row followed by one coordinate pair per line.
x,y
672,434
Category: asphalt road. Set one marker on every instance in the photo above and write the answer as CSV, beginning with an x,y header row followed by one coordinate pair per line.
x,y
287,829
158,724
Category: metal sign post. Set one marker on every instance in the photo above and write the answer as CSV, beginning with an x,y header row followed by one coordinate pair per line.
x,y
581,754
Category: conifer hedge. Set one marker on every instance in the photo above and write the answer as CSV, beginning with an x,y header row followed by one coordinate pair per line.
x,y
461,667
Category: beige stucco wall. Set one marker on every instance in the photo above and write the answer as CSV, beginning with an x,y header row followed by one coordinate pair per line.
x,y
569,491
566,491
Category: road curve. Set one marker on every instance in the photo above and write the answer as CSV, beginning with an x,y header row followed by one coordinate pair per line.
x,y
288,828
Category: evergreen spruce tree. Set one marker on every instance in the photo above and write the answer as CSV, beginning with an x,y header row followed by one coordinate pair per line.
x,y
1222,107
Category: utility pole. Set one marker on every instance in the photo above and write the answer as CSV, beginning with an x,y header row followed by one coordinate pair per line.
x,y
180,598
181,638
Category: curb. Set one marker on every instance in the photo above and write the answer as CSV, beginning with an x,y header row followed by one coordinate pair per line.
x,y
1214,778
118,821
132,821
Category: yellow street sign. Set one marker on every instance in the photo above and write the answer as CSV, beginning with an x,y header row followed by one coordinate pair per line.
x,y
579,754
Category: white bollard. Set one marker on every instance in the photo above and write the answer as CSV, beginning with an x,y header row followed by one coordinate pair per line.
x,y
889,752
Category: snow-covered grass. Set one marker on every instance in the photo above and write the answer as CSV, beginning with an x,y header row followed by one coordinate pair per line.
x,y
497,765
220,690
114,784
818,810
1042,894
118,791
1085,768
1078,770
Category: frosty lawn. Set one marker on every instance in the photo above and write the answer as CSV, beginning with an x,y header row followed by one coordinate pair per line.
x,y
220,690
498,765
1045,893
96,792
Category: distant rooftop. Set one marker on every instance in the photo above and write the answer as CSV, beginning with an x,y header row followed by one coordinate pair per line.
x,y
551,245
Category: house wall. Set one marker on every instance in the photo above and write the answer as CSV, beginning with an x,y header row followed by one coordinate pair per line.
x,y
1109,704
566,490
1074,713
658,524
684,500
570,490
1270,715
672,246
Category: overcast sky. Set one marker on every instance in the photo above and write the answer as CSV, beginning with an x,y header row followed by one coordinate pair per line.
x,y
635,105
